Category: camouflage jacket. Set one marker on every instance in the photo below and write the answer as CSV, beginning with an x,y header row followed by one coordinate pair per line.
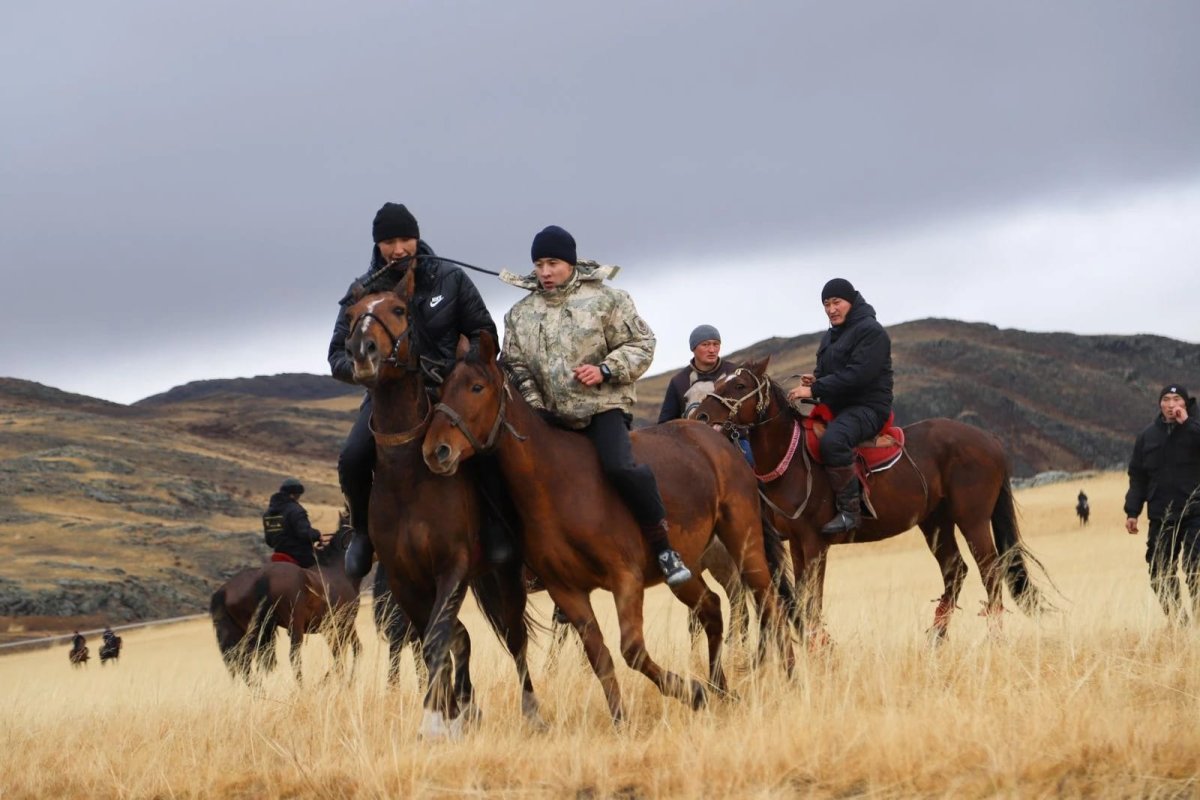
x,y
549,333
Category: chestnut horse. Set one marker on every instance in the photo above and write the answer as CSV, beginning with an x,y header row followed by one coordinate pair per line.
x,y
248,607
425,529
580,536
951,474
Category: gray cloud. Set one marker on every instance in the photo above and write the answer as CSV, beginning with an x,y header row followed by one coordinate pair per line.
x,y
171,177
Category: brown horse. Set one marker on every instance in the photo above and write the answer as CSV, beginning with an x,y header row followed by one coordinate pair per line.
x,y
248,607
78,656
425,529
580,536
952,474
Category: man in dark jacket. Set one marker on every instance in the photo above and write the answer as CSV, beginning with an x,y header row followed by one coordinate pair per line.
x,y
1164,474
445,305
854,378
692,383
286,526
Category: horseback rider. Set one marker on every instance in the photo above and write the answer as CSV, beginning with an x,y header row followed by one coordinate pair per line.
x,y
574,348
78,642
287,529
445,305
853,377
693,383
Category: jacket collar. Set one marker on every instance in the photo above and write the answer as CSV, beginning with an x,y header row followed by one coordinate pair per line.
x,y
585,270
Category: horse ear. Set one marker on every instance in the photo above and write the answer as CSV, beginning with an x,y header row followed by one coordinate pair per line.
x,y
759,367
406,287
487,347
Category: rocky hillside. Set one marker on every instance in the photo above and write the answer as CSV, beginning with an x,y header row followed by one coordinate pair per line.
x,y
110,513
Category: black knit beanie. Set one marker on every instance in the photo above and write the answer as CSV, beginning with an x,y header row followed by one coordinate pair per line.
x,y
394,221
839,287
554,242
291,486
1174,388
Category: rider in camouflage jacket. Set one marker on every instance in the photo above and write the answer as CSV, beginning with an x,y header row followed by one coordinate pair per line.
x,y
549,333
574,348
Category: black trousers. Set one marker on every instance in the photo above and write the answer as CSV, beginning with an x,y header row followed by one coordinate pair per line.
x,y
356,465
609,432
1168,546
850,428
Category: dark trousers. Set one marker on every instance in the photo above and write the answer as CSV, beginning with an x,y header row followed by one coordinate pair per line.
x,y
356,466
1167,546
609,432
850,428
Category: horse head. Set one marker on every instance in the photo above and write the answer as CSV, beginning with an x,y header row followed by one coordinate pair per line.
x,y
334,551
729,401
468,419
379,343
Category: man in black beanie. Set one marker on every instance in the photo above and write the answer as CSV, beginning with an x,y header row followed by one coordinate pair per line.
x,y
854,378
1164,475
445,304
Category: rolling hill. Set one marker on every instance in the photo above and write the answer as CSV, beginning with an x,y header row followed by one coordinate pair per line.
x,y
111,513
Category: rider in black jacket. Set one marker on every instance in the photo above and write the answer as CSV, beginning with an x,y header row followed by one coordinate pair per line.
x,y
287,527
854,378
1164,475
445,304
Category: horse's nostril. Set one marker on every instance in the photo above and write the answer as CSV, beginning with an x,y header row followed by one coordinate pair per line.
x,y
442,453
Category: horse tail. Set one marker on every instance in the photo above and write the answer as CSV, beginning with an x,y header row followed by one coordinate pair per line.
x,y
261,630
777,562
1014,556
496,591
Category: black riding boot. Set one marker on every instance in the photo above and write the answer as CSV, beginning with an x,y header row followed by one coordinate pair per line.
x,y
361,552
849,510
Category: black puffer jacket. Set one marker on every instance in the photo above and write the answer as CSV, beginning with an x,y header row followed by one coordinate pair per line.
x,y
445,305
854,363
1165,469
298,534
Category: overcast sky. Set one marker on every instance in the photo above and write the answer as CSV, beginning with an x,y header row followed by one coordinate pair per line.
x,y
187,189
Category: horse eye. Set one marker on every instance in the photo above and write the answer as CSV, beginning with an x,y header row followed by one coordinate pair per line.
x,y
477,388
398,311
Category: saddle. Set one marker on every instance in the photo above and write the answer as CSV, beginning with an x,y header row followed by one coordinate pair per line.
x,y
873,455
284,558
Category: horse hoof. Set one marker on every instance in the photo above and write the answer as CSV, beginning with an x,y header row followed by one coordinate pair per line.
x,y
699,696
433,727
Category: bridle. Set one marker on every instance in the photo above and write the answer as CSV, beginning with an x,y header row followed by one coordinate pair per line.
x,y
761,392
392,357
493,435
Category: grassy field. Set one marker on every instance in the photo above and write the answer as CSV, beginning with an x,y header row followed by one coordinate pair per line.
x,y
1099,700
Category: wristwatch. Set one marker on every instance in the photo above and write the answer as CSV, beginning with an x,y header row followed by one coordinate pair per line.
x,y
605,373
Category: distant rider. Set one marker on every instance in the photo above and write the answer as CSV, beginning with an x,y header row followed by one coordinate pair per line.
x,y
287,529
574,348
854,378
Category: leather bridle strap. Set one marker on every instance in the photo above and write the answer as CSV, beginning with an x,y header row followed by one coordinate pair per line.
x,y
501,422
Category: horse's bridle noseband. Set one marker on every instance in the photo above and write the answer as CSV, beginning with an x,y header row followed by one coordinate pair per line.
x,y
761,391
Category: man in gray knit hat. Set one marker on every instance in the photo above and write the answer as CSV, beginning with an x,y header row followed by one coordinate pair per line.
x,y
693,383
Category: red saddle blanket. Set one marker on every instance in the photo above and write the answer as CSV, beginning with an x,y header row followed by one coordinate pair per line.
x,y
284,558
874,454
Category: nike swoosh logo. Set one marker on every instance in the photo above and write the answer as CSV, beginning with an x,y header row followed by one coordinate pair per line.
x,y
433,303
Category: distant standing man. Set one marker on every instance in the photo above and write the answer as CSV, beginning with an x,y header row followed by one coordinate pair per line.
x,y
287,529
693,383
1164,474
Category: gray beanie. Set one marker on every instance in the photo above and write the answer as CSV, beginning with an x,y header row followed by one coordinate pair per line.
x,y
702,333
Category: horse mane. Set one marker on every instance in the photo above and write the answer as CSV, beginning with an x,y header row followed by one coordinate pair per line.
x,y
780,397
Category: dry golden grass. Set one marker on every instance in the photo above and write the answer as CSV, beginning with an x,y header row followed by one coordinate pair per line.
x,y
1099,700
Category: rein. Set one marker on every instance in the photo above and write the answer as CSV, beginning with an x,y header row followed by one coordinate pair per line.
x,y
402,437
493,435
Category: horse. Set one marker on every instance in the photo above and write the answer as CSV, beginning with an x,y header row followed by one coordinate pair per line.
x,y
110,650
951,474
78,656
248,607
580,536
425,528
1082,510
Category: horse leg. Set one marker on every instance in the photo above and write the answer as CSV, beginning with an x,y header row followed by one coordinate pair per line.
x,y
810,587
439,697
512,600
983,550
464,693
577,608
629,594
939,535
705,607
720,564
296,637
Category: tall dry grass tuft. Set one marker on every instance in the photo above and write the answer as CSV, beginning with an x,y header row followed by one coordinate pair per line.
x,y
1101,698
